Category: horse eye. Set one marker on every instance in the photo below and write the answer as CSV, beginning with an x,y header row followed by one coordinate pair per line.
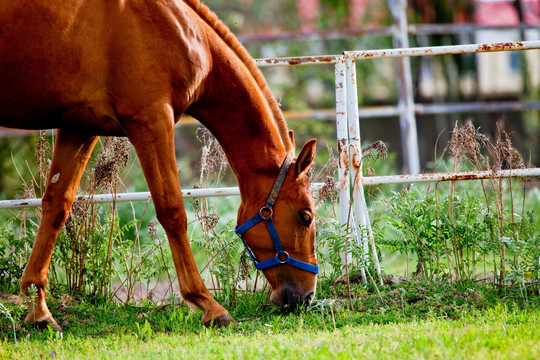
x,y
305,217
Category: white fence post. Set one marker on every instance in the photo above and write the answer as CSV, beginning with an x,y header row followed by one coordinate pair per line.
x,y
407,119
346,216
360,207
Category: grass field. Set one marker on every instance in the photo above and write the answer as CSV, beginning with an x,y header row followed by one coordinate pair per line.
x,y
409,320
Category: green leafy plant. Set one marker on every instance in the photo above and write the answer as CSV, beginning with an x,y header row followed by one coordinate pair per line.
x,y
7,314
144,332
15,245
456,230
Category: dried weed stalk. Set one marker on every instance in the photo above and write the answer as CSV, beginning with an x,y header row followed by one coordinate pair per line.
x,y
114,157
78,240
466,143
213,165
371,153
28,191
213,162
330,188
152,229
507,157
43,154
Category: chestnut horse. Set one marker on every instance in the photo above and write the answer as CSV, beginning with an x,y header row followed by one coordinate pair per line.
x,y
93,68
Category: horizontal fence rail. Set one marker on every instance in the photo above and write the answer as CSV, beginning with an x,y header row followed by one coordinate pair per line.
x,y
444,50
451,176
234,191
123,197
397,53
135,196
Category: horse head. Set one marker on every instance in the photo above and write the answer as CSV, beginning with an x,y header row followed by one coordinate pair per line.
x,y
279,234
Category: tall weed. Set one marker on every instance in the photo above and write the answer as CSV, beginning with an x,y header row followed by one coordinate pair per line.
x,y
458,231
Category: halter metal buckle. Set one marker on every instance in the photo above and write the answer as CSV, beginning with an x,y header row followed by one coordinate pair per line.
x,y
286,257
270,211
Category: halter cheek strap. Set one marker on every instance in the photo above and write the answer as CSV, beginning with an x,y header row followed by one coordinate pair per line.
x,y
266,214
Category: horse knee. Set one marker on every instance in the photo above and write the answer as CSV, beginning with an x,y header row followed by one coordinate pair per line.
x,y
55,210
172,216
194,296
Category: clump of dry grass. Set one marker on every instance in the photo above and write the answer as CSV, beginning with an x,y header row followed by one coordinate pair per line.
x,y
114,157
213,162
205,212
79,214
43,154
466,143
310,173
371,153
219,249
213,165
507,157
36,187
83,233
330,188
152,229
28,191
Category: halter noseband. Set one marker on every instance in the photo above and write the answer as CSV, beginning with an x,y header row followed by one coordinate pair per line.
x,y
265,214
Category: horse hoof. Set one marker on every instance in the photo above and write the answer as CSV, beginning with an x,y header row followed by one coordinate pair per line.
x,y
42,324
222,321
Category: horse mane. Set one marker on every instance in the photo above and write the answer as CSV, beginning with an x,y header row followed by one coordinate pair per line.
x,y
228,37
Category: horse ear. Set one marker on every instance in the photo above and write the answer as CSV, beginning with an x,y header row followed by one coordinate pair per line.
x,y
291,137
306,156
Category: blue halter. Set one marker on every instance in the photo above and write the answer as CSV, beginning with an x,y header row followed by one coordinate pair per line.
x,y
265,214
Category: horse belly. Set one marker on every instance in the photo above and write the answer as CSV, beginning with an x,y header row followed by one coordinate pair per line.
x,y
44,68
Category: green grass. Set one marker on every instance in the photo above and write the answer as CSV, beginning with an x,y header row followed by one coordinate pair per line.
x,y
406,320
495,334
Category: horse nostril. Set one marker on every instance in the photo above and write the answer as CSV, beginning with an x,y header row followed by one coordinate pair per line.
x,y
308,298
292,298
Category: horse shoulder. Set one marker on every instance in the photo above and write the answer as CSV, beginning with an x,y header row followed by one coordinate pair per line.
x,y
162,49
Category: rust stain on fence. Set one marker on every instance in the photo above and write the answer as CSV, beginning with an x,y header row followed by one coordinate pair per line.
x,y
326,59
357,161
436,177
344,155
500,46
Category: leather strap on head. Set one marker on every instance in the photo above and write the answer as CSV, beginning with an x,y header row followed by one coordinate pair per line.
x,y
272,197
282,257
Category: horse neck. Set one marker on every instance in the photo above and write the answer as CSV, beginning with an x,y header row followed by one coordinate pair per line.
x,y
241,116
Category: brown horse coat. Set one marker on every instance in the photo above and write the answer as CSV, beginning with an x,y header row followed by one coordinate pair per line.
x,y
131,68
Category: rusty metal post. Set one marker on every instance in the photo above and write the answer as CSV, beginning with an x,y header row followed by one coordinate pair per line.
x,y
407,119
342,141
360,207
346,216
354,158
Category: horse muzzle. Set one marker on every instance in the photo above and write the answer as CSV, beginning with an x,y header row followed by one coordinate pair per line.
x,y
290,298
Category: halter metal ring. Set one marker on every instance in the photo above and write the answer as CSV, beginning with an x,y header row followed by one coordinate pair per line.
x,y
266,208
286,257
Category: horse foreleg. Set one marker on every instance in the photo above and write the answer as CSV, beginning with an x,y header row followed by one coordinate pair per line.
x,y
71,153
154,143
